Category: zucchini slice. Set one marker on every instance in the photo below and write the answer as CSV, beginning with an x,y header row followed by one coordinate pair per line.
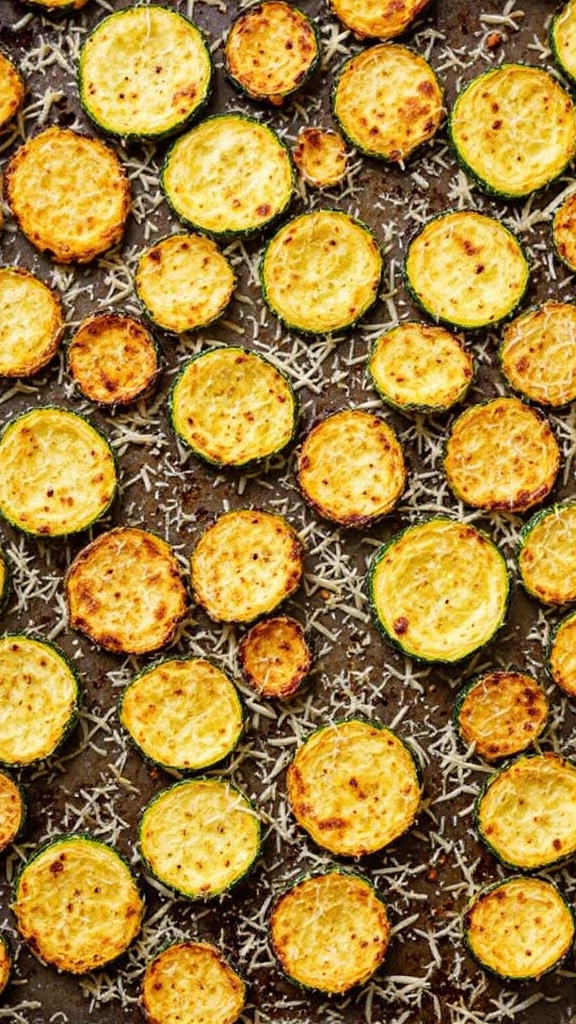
x,y
271,50
563,39
380,19
77,904
321,272
514,129
39,699
194,976
330,932
12,90
245,565
501,713
564,231
466,269
561,656
526,814
31,323
354,787
501,455
144,72
12,814
46,187
113,359
351,468
199,837
439,590
321,157
184,282
275,657
59,6
547,554
57,472
233,407
125,591
416,367
387,101
520,928
228,176
5,962
5,580
538,354
183,714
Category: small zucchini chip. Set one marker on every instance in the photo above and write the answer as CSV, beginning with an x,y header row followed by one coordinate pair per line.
x,y
501,455
184,282
564,231
387,101
271,50
228,176
12,814
321,157
245,565
330,932
354,787
561,656
439,590
233,407
351,468
144,72
183,714
275,657
466,269
199,837
57,472
547,554
526,813
194,976
113,359
58,6
420,368
39,699
125,591
380,19
69,195
31,323
563,40
520,928
5,962
538,355
321,272
501,713
12,90
77,903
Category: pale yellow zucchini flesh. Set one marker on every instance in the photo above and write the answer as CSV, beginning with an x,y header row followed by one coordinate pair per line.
x,y
31,323
420,367
547,554
380,19
538,354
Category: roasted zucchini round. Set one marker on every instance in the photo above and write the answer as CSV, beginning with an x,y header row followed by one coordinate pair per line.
x,y
439,590
561,655
31,323
563,39
501,713
547,554
321,272
381,19
5,962
191,983
275,657
538,356
12,814
416,367
321,157
564,231
58,6
5,580
113,359
12,90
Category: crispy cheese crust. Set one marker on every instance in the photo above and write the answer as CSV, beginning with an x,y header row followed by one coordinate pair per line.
x,y
562,655
547,554
113,359
420,367
501,713
12,813
194,979
31,323
275,657
321,157
12,90
538,354
381,19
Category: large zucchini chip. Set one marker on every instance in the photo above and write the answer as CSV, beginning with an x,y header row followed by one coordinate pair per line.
x,y
77,904
199,837
113,359
12,814
321,272
538,354
31,323
563,39
12,90
194,978
57,472
547,554
387,101
245,565
330,932
421,368
233,407
514,129
380,19
354,787
351,468
69,195
564,231
144,72
439,590
501,713
5,962
125,591
275,657
230,175
466,269
561,655
501,455
526,813
520,928
183,714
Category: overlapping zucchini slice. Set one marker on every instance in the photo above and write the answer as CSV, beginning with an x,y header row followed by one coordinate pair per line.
x,y
381,19
564,231
387,101
57,472
547,554
12,90
563,39
321,272
330,932
321,157
466,269
561,655
183,714
193,976
69,195
514,129
144,72
275,657
31,322
5,962
113,359
77,903
501,713
12,814
421,368
233,407
125,591
439,590
538,354
199,837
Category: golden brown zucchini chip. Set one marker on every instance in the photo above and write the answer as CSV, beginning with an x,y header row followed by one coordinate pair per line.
x,y
501,713
31,323
12,814
113,359
69,195
538,353
5,962
77,904
547,554
420,368
12,90
5,580
563,39
561,655
564,231
321,157
381,19
192,978
275,657
330,932
58,6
